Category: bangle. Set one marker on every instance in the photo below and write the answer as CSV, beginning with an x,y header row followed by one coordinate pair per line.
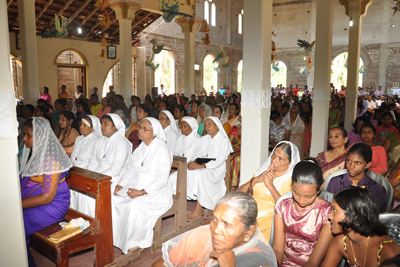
x,y
144,193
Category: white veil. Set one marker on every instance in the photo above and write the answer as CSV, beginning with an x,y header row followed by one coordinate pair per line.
x,y
171,119
48,156
96,126
193,124
207,112
158,131
119,124
221,130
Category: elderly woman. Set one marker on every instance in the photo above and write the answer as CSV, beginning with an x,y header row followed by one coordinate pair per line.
x,y
66,133
110,155
218,111
149,194
44,165
84,146
360,237
205,182
272,180
231,239
188,144
204,112
279,129
170,130
142,111
105,102
297,128
334,159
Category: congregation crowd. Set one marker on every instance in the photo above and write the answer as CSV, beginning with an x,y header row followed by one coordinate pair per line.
x,y
295,210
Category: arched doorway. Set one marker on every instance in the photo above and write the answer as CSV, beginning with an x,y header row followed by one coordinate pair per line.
x,y
71,71
114,79
210,74
339,71
278,74
165,74
240,76
16,69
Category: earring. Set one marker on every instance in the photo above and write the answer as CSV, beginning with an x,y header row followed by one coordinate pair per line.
x,y
246,240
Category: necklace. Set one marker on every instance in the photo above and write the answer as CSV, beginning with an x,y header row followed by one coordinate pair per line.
x,y
354,255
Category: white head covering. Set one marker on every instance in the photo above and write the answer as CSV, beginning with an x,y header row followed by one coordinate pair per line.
x,y
158,131
221,130
193,124
288,175
171,120
74,108
119,124
48,156
207,112
96,126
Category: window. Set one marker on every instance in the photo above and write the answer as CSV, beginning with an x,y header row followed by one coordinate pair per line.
x,y
278,74
240,76
16,65
210,74
114,79
240,22
206,11
339,71
210,12
165,74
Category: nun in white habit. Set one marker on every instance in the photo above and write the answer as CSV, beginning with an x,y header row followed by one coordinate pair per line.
x,y
205,182
90,129
149,191
188,144
110,154
171,131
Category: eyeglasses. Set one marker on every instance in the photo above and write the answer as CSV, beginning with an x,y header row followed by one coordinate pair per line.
x,y
334,137
140,128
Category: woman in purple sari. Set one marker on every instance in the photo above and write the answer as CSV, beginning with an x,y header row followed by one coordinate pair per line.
x,y
44,165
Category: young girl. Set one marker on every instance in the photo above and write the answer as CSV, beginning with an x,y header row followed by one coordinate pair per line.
x,y
379,157
360,237
302,232
386,127
334,114
358,161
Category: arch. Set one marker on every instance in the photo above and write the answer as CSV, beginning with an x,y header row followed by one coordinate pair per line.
x,y
240,22
213,17
339,71
239,71
113,78
363,54
206,10
76,53
278,76
165,74
210,75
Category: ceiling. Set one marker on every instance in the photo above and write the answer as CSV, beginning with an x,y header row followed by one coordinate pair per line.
x,y
82,13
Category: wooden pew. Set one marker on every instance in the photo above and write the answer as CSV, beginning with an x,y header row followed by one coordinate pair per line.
x,y
178,209
98,235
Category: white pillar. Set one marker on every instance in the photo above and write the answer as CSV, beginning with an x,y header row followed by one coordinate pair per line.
x,y
189,28
321,93
356,10
125,11
30,75
12,241
256,91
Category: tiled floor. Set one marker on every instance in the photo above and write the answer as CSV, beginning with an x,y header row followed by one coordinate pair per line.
x,y
85,259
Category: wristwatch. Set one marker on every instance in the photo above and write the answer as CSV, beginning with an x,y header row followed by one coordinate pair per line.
x,y
144,193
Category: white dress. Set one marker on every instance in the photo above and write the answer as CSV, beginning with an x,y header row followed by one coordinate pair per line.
x,y
80,157
133,219
208,185
171,136
109,158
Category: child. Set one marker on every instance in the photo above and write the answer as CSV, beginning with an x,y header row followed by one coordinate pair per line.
x,y
379,156
302,231
358,161
386,127
334,114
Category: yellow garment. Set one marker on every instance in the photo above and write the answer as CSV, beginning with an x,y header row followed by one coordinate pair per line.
x,y
64,95
227,128
94,109
266,206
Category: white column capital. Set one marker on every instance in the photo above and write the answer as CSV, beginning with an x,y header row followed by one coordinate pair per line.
x,y
356,7
125,9
188,25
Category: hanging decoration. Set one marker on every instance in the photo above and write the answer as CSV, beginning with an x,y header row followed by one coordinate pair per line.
x,y
100,17
156,47
206,39
106,20
103,53
362,70
102,4
309,62
103,42
306,45
105,35
396,8
225,62
220,54
273,49
223,58
275,66
303,71
149,63
60,31
170,11
204,26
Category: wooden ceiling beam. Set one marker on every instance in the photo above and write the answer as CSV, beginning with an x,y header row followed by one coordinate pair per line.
x,y
89,16
45,7
113,21
79,10
61,11
98,22
9,2
134,25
